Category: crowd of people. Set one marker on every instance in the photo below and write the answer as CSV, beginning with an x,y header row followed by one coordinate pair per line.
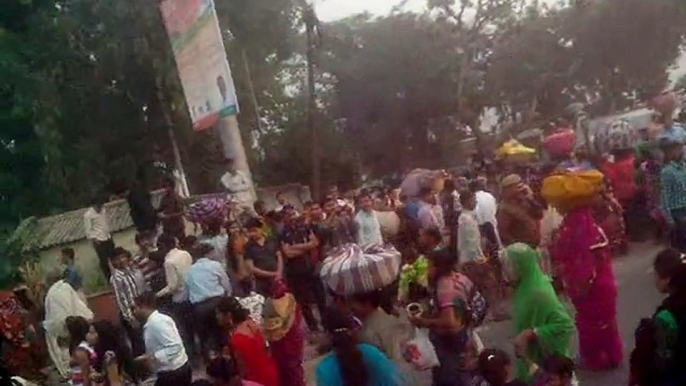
x,y
537,248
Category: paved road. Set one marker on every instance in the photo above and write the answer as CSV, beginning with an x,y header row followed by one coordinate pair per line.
x,y
637,299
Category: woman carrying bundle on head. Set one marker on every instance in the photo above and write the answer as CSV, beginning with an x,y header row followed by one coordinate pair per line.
x,y
583,260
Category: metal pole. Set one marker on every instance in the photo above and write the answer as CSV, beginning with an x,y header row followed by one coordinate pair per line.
x,y
172,138
251,86
310,23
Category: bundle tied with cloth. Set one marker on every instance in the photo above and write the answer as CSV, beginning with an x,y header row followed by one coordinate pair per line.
x,y
513,151
351,269
417,179
572,189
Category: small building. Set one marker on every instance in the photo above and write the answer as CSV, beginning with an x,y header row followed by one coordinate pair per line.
x,y
47,236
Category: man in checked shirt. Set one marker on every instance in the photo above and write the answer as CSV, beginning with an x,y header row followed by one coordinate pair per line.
x,y
126,289
673,190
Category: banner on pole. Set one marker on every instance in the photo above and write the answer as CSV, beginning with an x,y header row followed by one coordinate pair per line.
x,y
200,56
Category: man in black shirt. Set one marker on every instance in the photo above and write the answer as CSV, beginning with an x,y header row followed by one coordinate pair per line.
x,y
262,257
298,243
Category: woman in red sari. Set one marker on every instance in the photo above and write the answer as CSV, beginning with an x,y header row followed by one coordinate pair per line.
x,y
283,329
20,354
247,345
584,261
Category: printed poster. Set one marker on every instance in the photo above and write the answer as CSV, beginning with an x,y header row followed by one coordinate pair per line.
x,y
204,71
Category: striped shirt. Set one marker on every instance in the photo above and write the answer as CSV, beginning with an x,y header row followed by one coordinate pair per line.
x,y
146,267
125,290
96,225
673,188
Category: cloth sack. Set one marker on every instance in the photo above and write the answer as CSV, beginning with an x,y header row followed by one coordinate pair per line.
x,y
351,269
572,190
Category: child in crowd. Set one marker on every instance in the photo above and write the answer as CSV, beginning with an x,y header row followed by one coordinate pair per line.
x,y
557,371
224,372
71,272
497,369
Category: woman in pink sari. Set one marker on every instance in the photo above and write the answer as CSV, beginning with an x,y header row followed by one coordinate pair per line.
x,y
584,262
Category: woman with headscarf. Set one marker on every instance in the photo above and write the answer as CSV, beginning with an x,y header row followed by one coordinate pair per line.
x,y
543,325
282,327
583,261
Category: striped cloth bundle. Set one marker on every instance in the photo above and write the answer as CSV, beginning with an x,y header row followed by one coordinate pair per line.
x,y
207,210
351,269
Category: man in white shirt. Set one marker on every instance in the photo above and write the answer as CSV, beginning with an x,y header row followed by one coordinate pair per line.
x,y
238,187
468,233
206,284
366,222
164,348
483,272
97,228
177,263
486,210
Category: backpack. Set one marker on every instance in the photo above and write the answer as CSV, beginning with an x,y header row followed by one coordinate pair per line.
x,y
642,366
478,308
473,307
644,369
475,310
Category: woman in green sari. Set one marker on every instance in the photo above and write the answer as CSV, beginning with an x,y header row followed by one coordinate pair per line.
x,y
544,326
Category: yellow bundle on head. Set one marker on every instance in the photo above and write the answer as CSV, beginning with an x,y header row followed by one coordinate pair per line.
x,y
572,190
514,148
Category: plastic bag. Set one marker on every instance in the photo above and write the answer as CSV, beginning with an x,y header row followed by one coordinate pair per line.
x,y
420,351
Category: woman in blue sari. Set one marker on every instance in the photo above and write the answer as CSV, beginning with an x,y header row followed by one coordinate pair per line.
x,y
351,363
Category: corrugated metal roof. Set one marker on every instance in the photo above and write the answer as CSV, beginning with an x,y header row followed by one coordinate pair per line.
x,y
48,232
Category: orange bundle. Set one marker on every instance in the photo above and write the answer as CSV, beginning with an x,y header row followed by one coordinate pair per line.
x,y
572,190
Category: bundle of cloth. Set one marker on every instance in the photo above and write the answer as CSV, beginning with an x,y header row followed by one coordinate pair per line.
x,y
573,189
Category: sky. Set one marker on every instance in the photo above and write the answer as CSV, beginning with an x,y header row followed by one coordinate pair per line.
x,y
329,10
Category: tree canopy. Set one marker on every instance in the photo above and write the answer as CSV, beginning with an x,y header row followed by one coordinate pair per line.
x,y
89,90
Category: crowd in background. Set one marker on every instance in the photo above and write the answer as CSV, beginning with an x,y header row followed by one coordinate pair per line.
x,y
242,297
